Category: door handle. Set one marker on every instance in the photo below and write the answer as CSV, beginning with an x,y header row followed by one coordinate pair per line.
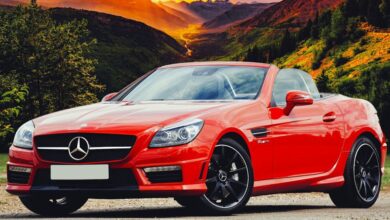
x,y
329,117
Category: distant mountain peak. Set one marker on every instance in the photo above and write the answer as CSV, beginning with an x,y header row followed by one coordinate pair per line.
x,y
296,12
237,14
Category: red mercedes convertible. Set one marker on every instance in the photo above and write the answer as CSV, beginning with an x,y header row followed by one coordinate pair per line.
x,y
209,134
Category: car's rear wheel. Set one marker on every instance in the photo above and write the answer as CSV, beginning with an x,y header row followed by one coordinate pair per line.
x,y
362,177
229,180
53,206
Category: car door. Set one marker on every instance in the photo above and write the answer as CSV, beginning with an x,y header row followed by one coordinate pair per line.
x,y
307,141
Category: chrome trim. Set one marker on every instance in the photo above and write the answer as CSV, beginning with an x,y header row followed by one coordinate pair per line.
x,y
111,148
260,133
263,141
78,148
52,148
91,148
19,169
162,169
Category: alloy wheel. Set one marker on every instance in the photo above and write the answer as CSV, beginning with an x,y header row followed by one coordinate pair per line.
x,y
228,177
366,172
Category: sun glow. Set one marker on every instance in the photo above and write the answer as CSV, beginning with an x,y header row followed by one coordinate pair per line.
x,y
164,17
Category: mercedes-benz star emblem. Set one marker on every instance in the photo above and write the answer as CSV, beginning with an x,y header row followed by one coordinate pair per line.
x,y
78,148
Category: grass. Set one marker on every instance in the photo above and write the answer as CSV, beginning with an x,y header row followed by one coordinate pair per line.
x,y
4,158
3,161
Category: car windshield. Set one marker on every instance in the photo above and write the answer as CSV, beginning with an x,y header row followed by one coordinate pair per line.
x,y
198,83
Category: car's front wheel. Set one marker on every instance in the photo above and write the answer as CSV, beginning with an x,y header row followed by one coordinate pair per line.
x,y
229,180
362,177
53,206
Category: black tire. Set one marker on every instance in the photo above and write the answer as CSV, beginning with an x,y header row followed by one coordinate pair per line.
x,y
46,206
188,202
229,179
362,177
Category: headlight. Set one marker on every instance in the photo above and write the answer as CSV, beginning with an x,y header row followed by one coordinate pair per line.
x,y
177,134
24,135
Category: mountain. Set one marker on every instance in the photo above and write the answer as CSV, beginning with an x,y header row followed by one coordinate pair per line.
x,y
207,10
292,12
8,3
254,1
182,10
141,10
263,30
237,14
126,49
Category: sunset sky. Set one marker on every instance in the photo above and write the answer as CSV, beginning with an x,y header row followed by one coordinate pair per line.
x,y
169,19
81,2
233,1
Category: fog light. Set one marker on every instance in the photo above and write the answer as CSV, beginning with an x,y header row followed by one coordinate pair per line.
x,y
19,169
161,169
164,174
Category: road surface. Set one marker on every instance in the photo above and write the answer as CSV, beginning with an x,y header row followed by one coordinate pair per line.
x,y
283,206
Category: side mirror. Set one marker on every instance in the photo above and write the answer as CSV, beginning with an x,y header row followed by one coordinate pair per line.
x,y
109,96
296,98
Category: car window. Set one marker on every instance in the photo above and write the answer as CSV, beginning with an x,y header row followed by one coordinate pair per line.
x,y
310,84
199,83
287,80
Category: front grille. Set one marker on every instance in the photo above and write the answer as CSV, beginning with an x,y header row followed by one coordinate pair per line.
x,y
165,176
18,177
117,178
103,147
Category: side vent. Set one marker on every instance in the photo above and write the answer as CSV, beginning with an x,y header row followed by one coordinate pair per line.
x,y
260,132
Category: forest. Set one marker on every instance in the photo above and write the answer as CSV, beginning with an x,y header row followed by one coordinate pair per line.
x,y
56,59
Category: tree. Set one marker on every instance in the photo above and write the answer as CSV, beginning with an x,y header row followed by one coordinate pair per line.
x,y
325,19
252,54
375,87
12,98
385,10
50,58
288,43
363,6
374,15
318,56
314,32
351,8
338,26
323,82
305,32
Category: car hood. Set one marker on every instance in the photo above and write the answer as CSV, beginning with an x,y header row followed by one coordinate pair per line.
x,y
122,117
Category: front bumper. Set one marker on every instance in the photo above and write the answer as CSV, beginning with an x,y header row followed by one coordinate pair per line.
x,y
127,178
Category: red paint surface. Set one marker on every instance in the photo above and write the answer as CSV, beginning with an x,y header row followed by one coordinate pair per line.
x,y
303,152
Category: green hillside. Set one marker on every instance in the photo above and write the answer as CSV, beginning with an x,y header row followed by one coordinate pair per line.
x,y
345,47
352,57
61,58
126,49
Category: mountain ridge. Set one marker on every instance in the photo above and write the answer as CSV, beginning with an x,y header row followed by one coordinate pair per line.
x,y
297,12
139,10
237,14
